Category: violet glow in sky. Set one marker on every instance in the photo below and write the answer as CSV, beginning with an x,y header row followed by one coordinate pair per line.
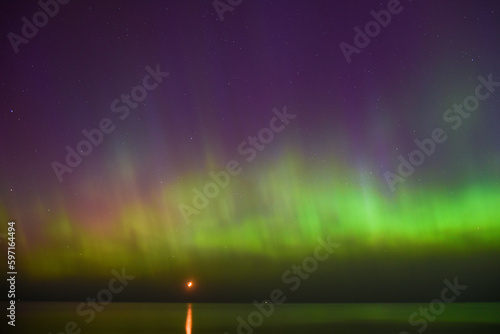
x,y
322,175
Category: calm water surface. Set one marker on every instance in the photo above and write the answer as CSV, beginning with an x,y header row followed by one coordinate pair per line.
x,y
223,318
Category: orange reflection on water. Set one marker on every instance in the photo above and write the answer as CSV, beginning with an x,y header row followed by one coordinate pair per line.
x,y
189,320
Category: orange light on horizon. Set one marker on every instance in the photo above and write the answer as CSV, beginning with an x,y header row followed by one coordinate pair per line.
x,y
190,284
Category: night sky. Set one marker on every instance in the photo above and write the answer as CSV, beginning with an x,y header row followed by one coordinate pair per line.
x,y
116,115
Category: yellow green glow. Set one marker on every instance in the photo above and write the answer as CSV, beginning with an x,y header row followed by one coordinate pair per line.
x,y
277,213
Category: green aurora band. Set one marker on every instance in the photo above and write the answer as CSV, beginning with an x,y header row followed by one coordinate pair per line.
x,y
275,211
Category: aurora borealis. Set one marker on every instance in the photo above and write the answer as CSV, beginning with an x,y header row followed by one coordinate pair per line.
x,y
321,175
